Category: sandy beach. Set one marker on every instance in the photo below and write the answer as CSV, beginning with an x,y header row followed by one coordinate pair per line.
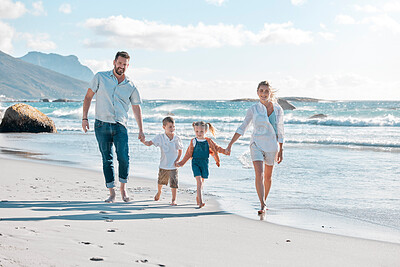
x,y
54,216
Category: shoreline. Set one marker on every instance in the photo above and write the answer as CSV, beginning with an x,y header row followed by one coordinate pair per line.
x,y
330,223
62,206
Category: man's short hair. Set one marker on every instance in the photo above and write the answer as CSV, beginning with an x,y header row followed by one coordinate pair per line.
x,y
167,120
122,54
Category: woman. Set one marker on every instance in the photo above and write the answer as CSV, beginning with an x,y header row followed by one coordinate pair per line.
x,y
266,145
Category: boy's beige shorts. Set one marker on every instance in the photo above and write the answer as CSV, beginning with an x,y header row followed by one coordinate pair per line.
x,y
168,175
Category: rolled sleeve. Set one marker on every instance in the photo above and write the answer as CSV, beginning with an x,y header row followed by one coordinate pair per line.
x,y
135,97
179,144
279,126
94,84
246,122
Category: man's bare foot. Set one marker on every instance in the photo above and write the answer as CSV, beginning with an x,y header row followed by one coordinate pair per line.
x,y
110,199
157,196
125,196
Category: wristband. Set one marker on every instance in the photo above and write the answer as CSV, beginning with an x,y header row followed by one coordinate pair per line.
x,y
85,119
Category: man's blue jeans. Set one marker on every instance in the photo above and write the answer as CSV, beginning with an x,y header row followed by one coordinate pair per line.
x,y
108,134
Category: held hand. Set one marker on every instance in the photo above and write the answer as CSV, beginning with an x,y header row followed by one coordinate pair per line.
x,y
228,150
177,164
279,158
141,136
85,125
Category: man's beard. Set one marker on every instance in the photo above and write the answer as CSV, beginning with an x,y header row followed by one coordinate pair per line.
x,y
119,71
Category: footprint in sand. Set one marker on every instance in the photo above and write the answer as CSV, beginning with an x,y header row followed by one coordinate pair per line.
x,y
111,230
119,243
109,220
142,261
85,242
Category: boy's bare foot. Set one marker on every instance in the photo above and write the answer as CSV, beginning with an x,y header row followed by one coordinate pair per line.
x,y
157,196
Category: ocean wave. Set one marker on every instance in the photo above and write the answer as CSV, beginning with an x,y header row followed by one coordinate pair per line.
x,y
348,143
173,107
388,120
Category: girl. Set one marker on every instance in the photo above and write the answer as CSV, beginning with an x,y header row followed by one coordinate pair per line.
x,y
266,144
199,150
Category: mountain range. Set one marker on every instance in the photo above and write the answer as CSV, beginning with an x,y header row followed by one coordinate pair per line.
x,y
23,80
67,65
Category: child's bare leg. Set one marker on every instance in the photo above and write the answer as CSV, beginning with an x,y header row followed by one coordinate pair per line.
x,y
199,199
124,194
173,202
157,196
111,198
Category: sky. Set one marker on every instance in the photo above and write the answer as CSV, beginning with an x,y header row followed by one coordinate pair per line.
x,y
221,49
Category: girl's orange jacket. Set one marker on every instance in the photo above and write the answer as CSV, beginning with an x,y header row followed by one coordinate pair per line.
x,y
214,150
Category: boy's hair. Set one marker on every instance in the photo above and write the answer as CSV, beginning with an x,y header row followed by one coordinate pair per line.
x,y
167,120
122,54
205,125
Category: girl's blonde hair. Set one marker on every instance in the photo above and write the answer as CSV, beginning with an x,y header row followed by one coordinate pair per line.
x,y
271,90
206,125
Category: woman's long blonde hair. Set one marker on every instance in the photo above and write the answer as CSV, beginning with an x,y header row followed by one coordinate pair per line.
x,y
272,91
206,125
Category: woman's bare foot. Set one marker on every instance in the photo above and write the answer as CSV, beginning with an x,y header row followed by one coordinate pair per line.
x,y
262,210
157,196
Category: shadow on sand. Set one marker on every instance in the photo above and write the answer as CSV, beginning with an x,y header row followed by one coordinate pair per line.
x,y
98,211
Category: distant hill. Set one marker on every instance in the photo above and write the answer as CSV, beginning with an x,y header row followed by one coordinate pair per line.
x,y
67,65
22,80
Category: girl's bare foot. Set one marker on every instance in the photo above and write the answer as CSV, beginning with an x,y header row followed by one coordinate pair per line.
x,y
201,205
173,203
157,196
262,210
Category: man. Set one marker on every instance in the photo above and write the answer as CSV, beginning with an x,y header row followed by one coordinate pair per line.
x,y
115,92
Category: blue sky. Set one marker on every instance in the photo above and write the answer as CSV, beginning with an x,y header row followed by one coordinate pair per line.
x,y
221,49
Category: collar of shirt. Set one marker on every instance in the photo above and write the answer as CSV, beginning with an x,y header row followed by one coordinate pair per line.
x,y
126,80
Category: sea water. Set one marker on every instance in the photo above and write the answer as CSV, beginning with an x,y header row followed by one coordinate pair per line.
x,y
340,173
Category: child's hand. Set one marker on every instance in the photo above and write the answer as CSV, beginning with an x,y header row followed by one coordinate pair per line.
x,y
228,151
177,164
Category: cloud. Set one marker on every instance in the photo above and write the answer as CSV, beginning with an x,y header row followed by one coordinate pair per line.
x,y
298,2
382,22
216,2
39,41
65,8
367,8
157,36
327,35
132,72
38,9
344,19
11,10
391,7
6,37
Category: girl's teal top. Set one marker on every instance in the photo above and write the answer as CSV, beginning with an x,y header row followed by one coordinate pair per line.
x,y
272,120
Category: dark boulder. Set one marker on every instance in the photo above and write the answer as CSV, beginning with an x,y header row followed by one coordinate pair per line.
x,y
285,104
24,118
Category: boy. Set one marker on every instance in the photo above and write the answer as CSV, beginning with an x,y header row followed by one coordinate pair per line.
x,y
171,151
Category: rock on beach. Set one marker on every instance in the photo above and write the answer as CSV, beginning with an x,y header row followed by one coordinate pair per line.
x,y
24,118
